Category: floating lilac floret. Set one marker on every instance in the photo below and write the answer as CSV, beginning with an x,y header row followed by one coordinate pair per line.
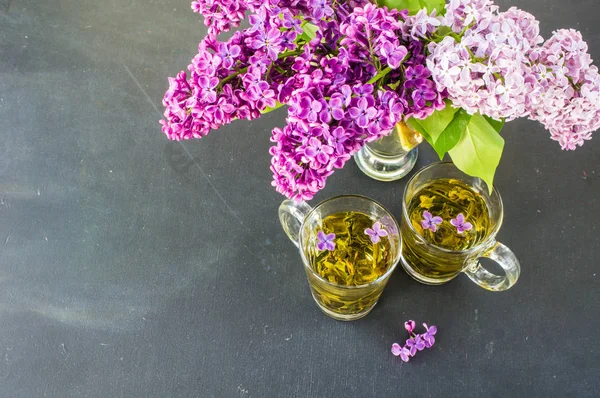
x,y
430,222
416,342
376,233
460,224
325,242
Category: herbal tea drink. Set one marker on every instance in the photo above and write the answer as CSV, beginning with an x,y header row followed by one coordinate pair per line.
x,y
448,199
350,245
450,220
354,261
451,200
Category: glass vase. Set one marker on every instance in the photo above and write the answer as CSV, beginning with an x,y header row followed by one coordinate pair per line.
x,y
386,159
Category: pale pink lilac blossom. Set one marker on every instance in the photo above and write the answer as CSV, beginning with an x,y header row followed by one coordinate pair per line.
x,y
461,14
565,94
422,24
487,69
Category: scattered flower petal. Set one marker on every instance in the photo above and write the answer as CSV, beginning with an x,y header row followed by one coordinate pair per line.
x,y
416,342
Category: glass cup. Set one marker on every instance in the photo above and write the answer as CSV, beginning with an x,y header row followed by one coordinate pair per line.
x,y
434,265
385,159
341,302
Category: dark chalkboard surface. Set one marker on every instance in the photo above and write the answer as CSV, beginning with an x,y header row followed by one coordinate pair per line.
x,y
132,266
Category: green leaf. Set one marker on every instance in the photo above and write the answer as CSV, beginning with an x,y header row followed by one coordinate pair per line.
x,y
413,6
452,134
443,31
435,124
414,123
496,124
443,128
478,151
309,31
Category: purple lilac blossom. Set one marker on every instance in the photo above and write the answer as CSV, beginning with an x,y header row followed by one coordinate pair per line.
x,y
402,352
415,342
376,233
269,41
325,241
460,223
430,222
428,335
393,53
334,107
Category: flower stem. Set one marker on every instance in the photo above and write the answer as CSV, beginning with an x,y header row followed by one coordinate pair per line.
x,y
233,75
380,75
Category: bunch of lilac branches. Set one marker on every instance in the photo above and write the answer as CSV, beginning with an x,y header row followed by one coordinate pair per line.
x,y
350,70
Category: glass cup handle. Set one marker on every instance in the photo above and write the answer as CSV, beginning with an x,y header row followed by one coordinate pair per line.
x,y
291,215
505,259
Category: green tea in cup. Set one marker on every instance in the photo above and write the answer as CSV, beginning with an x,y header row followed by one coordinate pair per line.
x,y
449,199
449,221
353,261
349,245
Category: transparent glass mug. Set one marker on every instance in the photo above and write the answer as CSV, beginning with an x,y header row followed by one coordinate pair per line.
x,y
434,265
341,302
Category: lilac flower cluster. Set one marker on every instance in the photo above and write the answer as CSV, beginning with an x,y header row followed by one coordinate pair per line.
x,y
222,15
337,103
349,71
229,80
416,342
462,14
501,67
326,124
486,70
566,90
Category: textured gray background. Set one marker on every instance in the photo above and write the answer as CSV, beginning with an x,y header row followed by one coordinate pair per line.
x,y
131,266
